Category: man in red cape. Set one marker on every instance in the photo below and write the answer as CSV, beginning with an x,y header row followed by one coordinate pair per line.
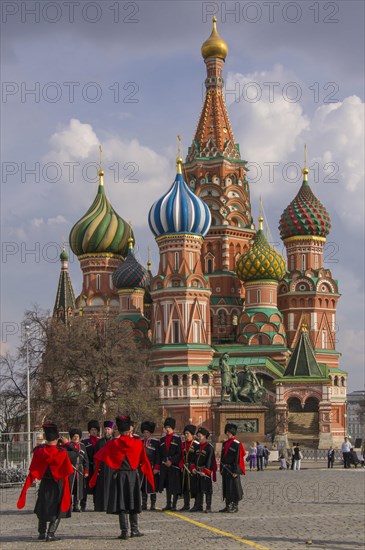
x,y
52,466
125,455
232,466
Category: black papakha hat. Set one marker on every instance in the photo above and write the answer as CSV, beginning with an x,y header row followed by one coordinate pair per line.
x,y
123,423
148,426
171,422
231,428
74,431
190,428
51,431
203,431
93,424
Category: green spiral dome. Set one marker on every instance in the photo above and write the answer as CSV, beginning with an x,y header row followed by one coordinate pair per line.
x,y
101,230
261,261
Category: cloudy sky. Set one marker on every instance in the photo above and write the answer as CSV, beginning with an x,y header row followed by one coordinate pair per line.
x,y
130,75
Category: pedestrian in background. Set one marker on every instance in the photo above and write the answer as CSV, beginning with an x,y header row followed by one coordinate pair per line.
x,y
297,457
346,452
260,457
330,457
266,456
252,455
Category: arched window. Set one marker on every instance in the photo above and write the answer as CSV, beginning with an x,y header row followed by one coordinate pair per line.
x,y
303,262
205,380
259,296
175,380
177,263
311,405
335,381
324,339
195,380
165,380
210,265
343,382
185,380
222,318
98,281
294,404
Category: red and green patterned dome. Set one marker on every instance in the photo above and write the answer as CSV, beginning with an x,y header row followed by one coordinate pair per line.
x,y
261,261
131,274
305,215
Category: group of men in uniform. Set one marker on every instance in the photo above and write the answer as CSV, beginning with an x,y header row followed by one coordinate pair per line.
x,y
122,473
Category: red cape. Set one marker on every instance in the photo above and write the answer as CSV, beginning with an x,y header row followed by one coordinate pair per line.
x,y
61,468
114,452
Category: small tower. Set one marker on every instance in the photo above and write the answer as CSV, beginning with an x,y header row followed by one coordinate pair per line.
x,y
100,242
180,294
260,269
131,279
65,299
308,288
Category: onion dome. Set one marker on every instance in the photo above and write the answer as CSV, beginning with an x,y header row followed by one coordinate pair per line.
x,y
101,230
63,256
305,215
179,210
130,274
215,46
261,261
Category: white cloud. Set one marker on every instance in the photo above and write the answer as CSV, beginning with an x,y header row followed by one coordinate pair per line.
x,y
57,220
76,141
37,222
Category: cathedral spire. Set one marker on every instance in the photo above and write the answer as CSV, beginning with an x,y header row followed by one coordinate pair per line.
x,y
214,135
65,299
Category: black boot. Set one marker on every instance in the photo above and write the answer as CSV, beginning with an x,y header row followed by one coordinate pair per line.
x,y
135,532
174,503
198,504
234,506
226,508
51,535
168,502
153,502
186,502
144,501
75,507
231,508
42,528
123,524
208,498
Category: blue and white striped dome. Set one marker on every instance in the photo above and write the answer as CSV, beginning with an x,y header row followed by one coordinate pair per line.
x,y
179,211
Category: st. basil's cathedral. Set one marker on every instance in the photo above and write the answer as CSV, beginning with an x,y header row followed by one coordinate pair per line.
x,y
221,290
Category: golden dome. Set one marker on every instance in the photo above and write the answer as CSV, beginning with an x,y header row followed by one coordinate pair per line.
x,y
214,46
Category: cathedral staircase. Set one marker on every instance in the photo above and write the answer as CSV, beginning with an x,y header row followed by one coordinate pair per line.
x,y
303,429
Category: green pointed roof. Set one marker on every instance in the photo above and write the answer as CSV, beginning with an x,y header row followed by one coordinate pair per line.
x,y
303,361
65,297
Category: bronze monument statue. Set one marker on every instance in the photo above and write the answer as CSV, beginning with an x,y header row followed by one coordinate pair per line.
x,y
241,386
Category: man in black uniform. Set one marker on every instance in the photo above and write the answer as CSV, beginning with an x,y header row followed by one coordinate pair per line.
x,y
189,448
204,469
151,447
50,464
105,473
169,456
231,467
80,462
93,428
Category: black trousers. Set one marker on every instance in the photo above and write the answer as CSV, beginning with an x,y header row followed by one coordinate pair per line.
x,y
346,460
330,463
260,462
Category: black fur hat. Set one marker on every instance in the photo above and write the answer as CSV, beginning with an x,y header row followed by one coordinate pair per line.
x,y
231,428
123,423
74,431
93,424
171,422
203,431
190,428
51,431
148,426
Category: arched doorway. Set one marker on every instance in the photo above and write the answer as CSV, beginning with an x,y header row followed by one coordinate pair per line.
x,y
303,421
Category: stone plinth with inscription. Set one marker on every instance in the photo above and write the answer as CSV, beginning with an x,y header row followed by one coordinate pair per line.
x,y
250,420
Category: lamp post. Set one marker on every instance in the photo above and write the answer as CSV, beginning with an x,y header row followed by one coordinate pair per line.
x,y
29,450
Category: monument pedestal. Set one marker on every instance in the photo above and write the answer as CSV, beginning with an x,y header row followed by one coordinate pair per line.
x,y
250,420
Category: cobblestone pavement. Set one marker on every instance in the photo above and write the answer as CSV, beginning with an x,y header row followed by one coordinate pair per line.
x,y
316,508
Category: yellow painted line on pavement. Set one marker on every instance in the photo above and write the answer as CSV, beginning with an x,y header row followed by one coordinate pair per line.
x,y
218,531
